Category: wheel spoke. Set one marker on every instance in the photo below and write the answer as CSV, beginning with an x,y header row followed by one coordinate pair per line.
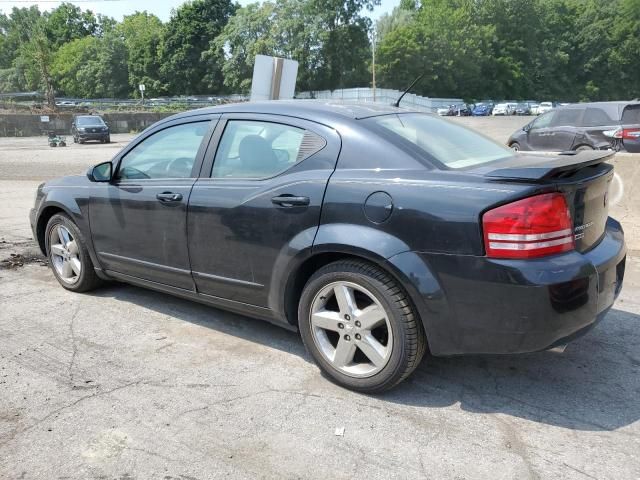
x,y
371,317
57,249
64,235
373,350
66,269
73,247
75,265
345,299
326,319
345,351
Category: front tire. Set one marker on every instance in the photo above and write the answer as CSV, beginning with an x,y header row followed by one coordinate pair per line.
x,y
68,255
515,146
359,326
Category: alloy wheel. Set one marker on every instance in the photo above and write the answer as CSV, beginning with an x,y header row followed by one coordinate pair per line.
x,y
65,254
351,329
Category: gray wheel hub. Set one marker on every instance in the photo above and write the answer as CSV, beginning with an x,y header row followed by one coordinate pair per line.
x,y
351,329
65,254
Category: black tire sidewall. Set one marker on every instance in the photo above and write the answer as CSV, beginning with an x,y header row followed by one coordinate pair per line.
x,y
86,280
395,367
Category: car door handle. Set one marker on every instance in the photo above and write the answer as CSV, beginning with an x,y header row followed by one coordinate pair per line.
x,y
290,201
169,197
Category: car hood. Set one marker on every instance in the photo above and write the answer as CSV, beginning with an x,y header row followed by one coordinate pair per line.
x,y
68,181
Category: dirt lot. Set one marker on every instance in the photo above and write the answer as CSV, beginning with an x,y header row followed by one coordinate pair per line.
x,y
125,383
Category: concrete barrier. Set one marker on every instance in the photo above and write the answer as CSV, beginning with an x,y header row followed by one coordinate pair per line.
x,y
27,124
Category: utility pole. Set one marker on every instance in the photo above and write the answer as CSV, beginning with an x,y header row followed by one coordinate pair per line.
x,y
373,62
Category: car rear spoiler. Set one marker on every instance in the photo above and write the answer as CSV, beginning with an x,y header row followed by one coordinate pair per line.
x,y
562,165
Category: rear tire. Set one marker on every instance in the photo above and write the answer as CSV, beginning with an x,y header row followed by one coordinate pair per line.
x,y
68,255
583,148
360,327
515,146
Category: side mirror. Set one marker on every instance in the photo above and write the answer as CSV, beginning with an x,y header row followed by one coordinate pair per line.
x,y
101,172
527,127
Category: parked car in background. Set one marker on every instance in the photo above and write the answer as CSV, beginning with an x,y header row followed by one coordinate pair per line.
x,y
324,218
512,107
583,126
443,111
482,109
523,109
501,109
90,127
534,109
545,107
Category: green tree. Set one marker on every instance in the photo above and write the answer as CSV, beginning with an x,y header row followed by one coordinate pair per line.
x,y
142,33
69,22
38,54
188,34
92,67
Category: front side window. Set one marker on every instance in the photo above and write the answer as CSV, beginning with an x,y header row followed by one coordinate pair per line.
x,y
256,149
543,121
169,153
446,142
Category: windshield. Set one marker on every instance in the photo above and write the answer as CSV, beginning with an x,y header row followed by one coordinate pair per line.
x,y
448,143
89,122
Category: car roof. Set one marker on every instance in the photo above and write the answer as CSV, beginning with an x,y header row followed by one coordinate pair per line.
x,y
309,109
614,109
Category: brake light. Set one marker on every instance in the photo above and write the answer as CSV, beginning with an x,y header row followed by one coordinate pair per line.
x,y
533,227
631,133
623,133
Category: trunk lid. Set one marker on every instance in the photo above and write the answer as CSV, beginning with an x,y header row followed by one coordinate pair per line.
x,y
583,177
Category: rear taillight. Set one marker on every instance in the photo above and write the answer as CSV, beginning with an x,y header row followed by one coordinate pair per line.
x,y
623,133
631,134
529,228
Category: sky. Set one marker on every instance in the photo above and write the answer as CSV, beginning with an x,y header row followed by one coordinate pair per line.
x,y
161,8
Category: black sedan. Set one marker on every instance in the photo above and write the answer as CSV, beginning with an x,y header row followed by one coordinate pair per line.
x,y
375,232
90,127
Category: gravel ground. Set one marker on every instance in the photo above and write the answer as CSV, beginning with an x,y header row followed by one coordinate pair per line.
x,y
125,383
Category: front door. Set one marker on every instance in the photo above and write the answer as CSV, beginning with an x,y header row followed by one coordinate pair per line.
x,y
138,221
538,136
263,192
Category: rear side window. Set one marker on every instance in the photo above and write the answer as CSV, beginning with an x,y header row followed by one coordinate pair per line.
x,y
566,118
448,143
596,117
257,149
631,114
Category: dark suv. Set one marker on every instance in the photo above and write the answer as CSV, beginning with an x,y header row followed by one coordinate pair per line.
x,y
583,126
90,127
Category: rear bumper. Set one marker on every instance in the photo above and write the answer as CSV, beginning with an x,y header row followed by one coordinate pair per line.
x,y
475,304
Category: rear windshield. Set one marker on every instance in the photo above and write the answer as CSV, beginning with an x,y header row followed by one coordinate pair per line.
x,y
631,114
89,121
447,143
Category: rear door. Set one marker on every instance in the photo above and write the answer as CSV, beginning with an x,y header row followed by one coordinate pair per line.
x,y
259,194
631,128
595,122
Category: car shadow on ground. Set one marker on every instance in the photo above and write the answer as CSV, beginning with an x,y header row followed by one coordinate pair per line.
x,y
594,385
